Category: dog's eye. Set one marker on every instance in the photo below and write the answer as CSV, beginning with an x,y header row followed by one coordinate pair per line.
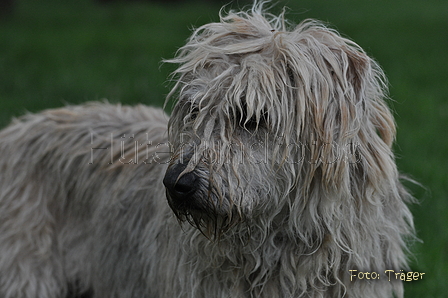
x,y
194,113
253,122
250,121
250,124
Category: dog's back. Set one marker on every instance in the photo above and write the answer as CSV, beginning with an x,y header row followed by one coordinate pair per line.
x,y
63,170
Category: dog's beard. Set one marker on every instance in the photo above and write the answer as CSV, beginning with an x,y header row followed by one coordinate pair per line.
x,y
206,214
229,182
197,194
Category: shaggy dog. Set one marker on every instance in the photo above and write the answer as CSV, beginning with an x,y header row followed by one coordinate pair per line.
x,y
278,155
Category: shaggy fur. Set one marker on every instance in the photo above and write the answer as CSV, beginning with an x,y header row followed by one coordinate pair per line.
x,y
279,156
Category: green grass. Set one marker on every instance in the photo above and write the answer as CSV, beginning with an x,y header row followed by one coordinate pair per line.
x,y
52,52
56,52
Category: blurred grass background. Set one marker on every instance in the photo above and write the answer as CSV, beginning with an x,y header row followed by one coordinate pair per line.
x,y
56,52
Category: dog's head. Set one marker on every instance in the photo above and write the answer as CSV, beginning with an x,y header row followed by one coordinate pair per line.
x,y
267,118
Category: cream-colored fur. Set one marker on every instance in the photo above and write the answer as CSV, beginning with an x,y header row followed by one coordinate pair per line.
x,y
278,154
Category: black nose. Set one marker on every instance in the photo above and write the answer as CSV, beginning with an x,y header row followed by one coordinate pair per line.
x,y
179,188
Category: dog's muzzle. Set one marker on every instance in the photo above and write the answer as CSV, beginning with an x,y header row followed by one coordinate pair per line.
x,y
181,188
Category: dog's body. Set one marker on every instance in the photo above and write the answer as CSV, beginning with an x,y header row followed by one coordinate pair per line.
x,y
65,209
281,161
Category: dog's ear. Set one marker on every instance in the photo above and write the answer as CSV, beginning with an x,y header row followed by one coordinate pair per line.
x,y
365,91
347,107
365,117
356,66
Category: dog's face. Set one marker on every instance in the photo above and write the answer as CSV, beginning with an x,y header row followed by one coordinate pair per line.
x,y
264,116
